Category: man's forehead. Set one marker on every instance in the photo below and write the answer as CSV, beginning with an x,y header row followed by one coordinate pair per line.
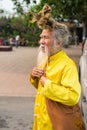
x,y
46,33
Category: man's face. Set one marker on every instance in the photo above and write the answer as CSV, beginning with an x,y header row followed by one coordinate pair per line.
x,y
46,39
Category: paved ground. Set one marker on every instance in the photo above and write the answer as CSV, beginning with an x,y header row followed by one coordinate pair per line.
x,y
16,113
15,67
16,93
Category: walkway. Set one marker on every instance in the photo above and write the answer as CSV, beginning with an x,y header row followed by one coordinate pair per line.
x,y
15,67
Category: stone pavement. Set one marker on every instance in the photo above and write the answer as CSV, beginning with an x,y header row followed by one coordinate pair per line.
x,y
16,113
15,67
16,93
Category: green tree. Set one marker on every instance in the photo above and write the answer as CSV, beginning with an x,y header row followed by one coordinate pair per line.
x,y
68,9
20,6
26,30
62,9
4,26
65,9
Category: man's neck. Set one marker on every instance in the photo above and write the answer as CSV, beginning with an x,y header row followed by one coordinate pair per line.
x,y
53,52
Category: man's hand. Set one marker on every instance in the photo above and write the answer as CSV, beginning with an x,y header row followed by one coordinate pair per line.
x,y
43,80
37,72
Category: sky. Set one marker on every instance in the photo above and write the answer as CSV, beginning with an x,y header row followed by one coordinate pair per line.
x,y
8,5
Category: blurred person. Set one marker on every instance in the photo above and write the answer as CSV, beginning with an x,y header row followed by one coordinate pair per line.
x,y
1,41
83,43
56,79
12,41
83,79
4,42
83,73
17,41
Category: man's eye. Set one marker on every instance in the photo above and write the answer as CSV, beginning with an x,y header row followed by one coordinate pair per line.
x,y
46,37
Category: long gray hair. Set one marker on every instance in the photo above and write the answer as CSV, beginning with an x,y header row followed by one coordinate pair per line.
x,y
61,33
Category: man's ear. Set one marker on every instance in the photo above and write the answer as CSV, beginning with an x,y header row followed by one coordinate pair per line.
x,y
60,42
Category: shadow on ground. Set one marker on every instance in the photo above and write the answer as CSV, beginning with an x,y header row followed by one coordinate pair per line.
x,y
16,113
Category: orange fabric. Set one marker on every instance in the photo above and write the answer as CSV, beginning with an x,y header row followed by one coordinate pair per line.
x,y
64,117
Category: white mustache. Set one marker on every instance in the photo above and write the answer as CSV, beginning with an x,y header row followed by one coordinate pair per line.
x,y
42,55
43,48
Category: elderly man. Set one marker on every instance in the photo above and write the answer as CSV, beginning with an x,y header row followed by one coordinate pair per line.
x,y
55,78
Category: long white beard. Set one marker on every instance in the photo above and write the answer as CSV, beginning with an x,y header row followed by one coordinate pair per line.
x,y
42,56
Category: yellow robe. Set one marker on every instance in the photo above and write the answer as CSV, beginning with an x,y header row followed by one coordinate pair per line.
x,y
62,86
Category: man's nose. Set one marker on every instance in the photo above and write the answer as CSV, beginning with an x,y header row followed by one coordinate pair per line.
x,y
42,41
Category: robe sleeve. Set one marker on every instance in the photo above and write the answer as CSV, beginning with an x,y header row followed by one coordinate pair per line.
x,y
34,82
68,91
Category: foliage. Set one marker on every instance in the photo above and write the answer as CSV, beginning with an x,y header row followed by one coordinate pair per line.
x,y
61,9
20,6
19,25
67,9
1,11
